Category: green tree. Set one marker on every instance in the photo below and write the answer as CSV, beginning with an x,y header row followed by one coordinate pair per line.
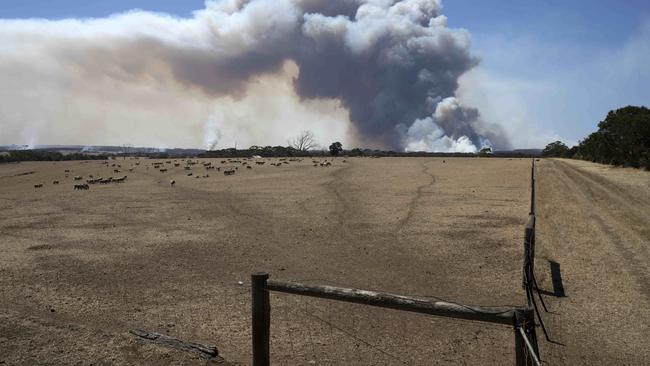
x,y
623,138
336,148
555,149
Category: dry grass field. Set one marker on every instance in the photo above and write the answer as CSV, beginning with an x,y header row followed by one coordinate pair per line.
x,y
80,268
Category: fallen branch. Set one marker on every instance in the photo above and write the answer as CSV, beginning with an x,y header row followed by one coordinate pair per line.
x,y
164,340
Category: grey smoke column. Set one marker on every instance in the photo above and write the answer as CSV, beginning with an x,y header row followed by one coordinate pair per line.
x,y
390,65
390,62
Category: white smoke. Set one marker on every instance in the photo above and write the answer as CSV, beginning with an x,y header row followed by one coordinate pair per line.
x,y
151,78
211,134
425,135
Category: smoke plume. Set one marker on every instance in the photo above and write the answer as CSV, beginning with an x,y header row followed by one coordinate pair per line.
x,y
392,65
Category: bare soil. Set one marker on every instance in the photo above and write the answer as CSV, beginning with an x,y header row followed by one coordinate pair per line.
x,y
79,269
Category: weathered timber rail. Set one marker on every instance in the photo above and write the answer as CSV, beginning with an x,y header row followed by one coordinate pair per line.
x,y
522,319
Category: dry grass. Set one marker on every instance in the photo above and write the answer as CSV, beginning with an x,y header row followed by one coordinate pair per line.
x,y
78,269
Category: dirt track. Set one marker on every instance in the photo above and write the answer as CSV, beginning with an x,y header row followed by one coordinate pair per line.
x,y
80,269
594,221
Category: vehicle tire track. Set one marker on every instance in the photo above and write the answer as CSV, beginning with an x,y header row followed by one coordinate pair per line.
x,y
416,198
598,201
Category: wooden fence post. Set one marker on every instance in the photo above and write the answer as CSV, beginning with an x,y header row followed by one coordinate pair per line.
x,y
532,189
261,319
529,250
525,319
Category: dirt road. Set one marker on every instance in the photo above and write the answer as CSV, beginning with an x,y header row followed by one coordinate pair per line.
x,y
594,222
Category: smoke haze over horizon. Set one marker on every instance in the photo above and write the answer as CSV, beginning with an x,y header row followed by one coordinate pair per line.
x,y
371,73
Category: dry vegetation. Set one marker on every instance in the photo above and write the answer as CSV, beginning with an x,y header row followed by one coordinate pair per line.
x,y
80,268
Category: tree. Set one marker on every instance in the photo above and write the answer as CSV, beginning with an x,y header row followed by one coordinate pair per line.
x,y
623,138
556,149
305,141
336,148
485,151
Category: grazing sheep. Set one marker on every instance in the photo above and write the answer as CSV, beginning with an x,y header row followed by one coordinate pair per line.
x,y
260,162
116,170
229,171
40,185
249,167
163,170
189,174
187,168
172,183
67,171
55,182
76,177
81,186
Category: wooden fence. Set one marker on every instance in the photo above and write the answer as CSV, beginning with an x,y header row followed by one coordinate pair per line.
x,y
522,319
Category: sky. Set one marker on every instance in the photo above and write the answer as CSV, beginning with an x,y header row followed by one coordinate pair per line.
x,y
548,69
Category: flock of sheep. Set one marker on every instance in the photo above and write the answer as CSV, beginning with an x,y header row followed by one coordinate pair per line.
x,y
230,168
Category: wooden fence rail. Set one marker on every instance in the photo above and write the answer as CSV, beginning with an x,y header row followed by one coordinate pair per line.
x,y
261,311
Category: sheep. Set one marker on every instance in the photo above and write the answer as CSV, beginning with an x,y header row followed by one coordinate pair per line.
x,y
172,183
40,185
189,174
76,177
260,162
229,171
55,182
249,167
116,170
163,170
187,168
67,171
81,186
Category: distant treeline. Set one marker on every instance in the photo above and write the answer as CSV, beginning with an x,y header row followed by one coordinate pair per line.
x,y
42,155
623,138
281,151
266,151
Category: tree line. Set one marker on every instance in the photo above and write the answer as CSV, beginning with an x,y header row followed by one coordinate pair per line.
x,y
44,155
622,139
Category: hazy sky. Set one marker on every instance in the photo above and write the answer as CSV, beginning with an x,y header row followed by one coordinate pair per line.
x,y
549,69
